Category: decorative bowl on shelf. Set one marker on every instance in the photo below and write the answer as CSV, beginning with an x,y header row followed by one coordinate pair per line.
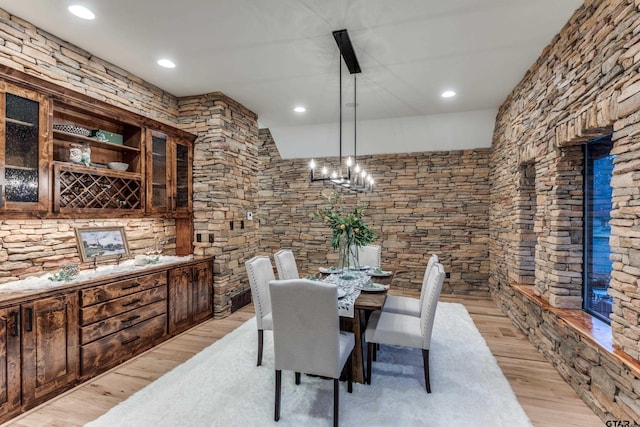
x,y
72,129
119,166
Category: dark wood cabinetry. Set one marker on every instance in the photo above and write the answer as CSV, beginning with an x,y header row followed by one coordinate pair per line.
x,y
120,320
24,158
191,293
43,127
49,347
49,343
169,162
10,402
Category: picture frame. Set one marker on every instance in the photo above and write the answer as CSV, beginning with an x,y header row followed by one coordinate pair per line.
x,y
101,243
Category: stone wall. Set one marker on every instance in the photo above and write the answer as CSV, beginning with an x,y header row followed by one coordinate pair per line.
x,y
601,377
31,247
584,85
225,186
423,203
34,51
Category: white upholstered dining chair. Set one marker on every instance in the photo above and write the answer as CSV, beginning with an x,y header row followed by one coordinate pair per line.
x,y
408,305
370,255
286,264
260,273
306,335
407,331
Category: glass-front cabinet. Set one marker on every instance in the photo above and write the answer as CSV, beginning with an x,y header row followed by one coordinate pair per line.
x,y
67,155
24,156
168,174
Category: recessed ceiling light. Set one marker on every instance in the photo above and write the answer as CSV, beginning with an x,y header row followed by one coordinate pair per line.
x,y
448,94
81,11
300,109
166,63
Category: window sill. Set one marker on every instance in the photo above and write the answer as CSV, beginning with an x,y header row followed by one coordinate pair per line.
x,y
591,329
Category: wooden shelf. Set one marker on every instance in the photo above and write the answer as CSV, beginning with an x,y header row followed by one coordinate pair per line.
x,y
96,170
71,138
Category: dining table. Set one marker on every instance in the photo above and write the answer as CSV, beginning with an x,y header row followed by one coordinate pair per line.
x,y
361,292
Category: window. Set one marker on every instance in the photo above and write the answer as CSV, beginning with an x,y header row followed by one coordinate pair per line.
x,y
597,213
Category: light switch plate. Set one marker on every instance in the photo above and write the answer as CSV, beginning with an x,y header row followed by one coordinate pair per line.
x,y
250,216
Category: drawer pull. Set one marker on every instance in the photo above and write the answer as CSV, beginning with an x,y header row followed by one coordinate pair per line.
x,y
130,319
127,342
29,319
135,285
135,301
16,323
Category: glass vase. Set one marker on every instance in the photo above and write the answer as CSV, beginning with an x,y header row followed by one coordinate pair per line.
x,y
348,256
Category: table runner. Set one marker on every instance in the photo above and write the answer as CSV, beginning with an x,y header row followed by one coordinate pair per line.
x,y
349,282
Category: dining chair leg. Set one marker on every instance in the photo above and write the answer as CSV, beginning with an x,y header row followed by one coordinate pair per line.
x,y
260,341
376,346
336,400
369,361
278,388
297,378
350,373
425,361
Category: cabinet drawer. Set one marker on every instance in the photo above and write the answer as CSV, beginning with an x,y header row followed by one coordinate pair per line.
x,y
113,349
118,289
114,307
124,320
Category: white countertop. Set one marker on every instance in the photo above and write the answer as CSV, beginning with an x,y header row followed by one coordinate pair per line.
x,y
128,266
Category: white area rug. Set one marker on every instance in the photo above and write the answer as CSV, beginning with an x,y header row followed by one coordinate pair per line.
x,y
222,386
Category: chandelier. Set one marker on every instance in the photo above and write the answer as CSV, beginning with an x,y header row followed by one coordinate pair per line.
x,y
356,178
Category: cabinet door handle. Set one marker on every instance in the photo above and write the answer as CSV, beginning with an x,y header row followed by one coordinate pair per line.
x,y
130,319
135,301
135,285
29,319
129,341
16,323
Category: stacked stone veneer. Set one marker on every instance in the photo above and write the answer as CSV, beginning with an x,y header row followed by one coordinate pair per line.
x,y
585,84
423,203
31,247
225,185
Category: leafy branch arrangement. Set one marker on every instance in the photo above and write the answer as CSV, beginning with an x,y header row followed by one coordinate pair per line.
x,y
348,227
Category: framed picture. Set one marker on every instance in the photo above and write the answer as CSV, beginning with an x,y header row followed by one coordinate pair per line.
x,y
99,243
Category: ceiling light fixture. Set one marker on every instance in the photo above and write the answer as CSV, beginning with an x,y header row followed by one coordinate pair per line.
x,y
361,181
166,63
81,12
300,109
448,94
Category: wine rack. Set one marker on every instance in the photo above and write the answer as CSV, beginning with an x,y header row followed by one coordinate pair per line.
x,y
81,188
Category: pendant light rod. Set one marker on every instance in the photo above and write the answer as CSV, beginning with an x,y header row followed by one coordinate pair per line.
x,y
340,138
346,50
355,121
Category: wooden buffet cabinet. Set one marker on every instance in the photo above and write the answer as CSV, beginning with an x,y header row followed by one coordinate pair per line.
x,y
52,340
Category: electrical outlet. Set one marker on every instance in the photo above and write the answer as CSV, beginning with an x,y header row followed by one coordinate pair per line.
x,y
249,216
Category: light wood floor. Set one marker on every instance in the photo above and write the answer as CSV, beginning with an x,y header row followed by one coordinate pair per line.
x,y
545,397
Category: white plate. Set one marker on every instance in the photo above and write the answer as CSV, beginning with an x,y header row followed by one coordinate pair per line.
x,y
341,293
329,270
373,287
379,274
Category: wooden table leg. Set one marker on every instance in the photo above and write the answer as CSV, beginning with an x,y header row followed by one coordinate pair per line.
x,y
357,361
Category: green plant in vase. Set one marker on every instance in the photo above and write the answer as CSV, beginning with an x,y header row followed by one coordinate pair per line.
x,y
349,230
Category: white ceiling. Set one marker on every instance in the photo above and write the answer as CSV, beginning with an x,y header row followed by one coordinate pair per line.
x,y
271,55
